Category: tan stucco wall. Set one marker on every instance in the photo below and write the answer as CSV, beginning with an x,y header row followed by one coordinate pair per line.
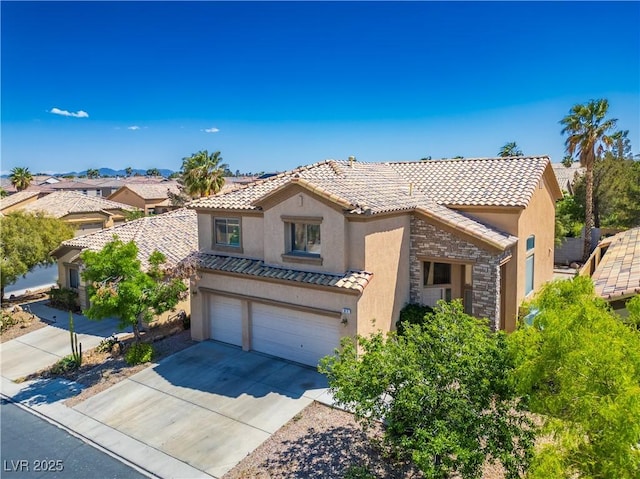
x,y
251,234
382,247
332,233
126,196
537,219
254,290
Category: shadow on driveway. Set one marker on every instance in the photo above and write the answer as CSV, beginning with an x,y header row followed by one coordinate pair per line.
x,y
226,370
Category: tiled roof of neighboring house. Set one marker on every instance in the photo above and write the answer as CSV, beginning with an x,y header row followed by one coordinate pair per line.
x,y
62,203
567,176
16,198
74,185
153,191
360,188
476,181
618,273
174,234
352,280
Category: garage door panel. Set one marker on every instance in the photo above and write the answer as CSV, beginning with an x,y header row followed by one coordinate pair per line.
x,y
299,336
225,319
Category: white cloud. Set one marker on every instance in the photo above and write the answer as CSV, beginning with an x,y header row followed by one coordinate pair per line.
x,y
211,130
76,114
134,127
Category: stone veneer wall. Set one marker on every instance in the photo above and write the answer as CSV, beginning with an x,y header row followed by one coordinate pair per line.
x,y
429,241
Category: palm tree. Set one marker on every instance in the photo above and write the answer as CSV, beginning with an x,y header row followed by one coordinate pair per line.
x,y
586,129
203,174
20,177
510,149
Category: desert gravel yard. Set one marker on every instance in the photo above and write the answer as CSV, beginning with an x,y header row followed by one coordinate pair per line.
x,y
320,442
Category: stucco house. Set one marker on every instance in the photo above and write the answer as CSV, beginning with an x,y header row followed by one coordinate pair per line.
x,y
153,198
85,213
567,175
19,200
291,263
173,234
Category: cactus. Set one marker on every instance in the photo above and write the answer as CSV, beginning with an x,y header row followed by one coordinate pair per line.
x,y
76,349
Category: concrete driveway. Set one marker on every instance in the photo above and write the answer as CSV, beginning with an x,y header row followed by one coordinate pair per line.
x,y
209,405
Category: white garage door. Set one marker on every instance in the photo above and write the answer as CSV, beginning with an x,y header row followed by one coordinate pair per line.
x,y
225,316
295,335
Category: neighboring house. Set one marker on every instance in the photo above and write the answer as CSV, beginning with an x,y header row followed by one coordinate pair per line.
x,y
153,198
173,234
567,176
85,213
614,267
290,264
19,200
84,186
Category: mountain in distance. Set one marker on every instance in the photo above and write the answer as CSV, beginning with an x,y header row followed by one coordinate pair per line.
x,y
110,172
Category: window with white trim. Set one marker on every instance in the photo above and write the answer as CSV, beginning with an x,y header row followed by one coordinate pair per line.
x,y
226,232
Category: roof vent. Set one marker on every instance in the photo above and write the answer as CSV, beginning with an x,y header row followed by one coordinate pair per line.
x,y
351,160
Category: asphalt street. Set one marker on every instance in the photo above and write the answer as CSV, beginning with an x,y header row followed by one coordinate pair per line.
x,y
31,447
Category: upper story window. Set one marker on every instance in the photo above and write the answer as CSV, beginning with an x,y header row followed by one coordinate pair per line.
x,y
436,273
531,242
302,239
227,232
305,238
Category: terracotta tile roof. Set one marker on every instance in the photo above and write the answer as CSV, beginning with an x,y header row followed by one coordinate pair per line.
x,y
175,234
74,185
153,191
62,203
352,280
477,181
567,176
360,188
16,198
618,273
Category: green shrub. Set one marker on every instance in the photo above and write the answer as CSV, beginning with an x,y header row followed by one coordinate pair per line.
x,y
106,345
412,313
139,353
358,472
68,363
64,298
6,321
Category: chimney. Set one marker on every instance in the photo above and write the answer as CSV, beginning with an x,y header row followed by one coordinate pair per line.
x,y
410,189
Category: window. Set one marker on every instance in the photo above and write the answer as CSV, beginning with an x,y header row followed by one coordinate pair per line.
x,y
528,282
227,232
74,278
529,265
436,273
531,242
305,238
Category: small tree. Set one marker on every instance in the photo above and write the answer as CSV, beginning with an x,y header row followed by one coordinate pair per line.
x,y
442,390
119,287
579,365
26,241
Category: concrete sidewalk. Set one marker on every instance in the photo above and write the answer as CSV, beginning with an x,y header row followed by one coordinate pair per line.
x,y
194,414
44,347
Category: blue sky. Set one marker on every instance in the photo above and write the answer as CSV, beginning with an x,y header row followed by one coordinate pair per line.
x,y
277,85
